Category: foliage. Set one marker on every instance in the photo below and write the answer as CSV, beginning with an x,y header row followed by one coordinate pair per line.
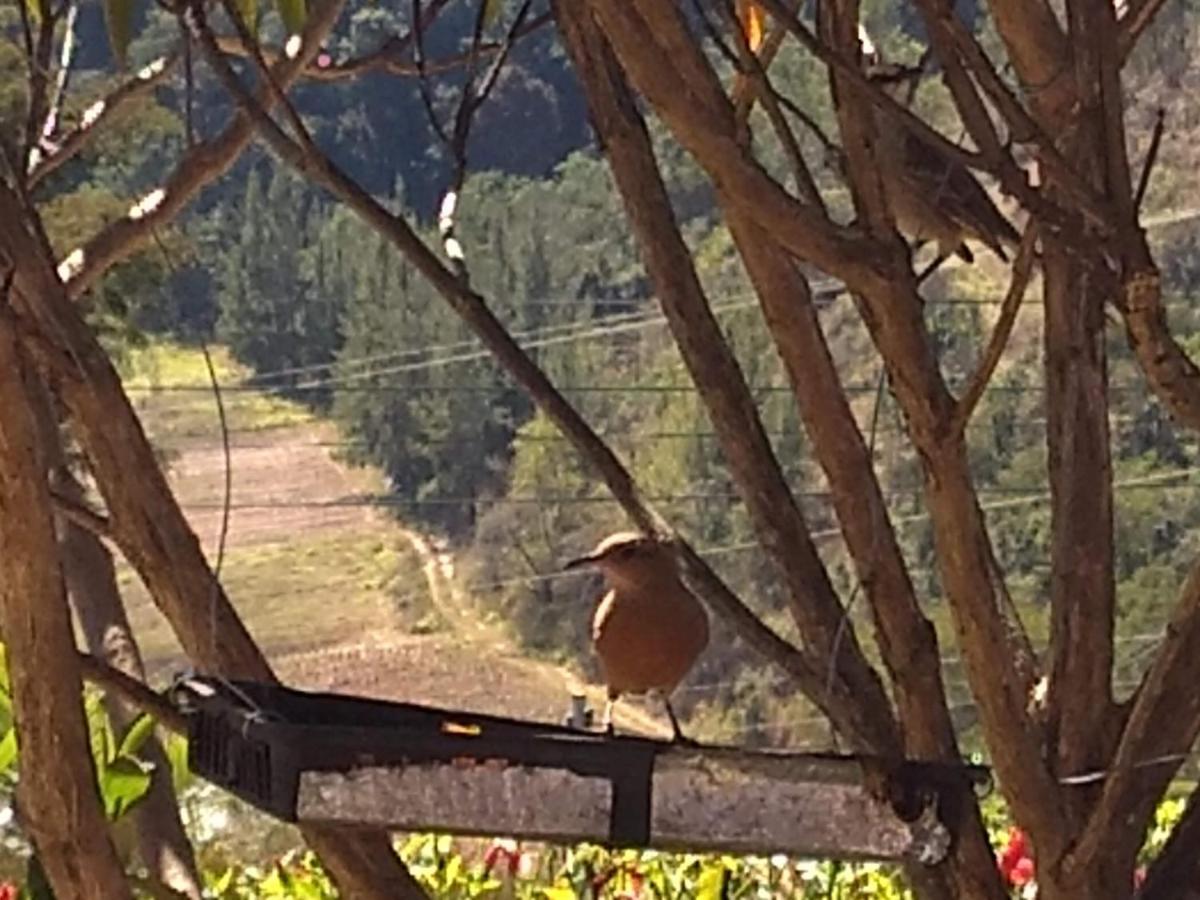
x,y
461,868
122,776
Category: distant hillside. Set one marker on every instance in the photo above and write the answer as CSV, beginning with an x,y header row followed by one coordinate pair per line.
x,y
340,596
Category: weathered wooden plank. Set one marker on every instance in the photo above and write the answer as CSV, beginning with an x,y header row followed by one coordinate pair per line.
x,y
722,802
542,804
717,800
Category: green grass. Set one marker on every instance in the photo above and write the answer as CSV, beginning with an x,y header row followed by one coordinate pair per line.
x,y
299,583
153,374
307,592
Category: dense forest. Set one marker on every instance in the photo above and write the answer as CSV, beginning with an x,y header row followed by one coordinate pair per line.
x,y
324,312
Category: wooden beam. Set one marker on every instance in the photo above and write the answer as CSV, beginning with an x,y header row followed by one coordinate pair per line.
x,y
325,759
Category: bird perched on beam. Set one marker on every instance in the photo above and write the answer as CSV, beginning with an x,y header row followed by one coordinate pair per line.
x,y
648,629
933,196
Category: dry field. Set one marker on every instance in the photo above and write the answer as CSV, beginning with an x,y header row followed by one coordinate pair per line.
x,y
340,595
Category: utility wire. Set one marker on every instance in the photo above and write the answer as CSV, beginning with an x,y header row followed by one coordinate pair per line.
x,y
823,289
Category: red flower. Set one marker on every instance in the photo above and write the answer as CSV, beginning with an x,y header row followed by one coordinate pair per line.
x,y
1016,865
8,891
497,855
1139,877
1022,872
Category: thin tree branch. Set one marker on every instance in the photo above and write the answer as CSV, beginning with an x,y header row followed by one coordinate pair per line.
x,y
390,57
278,97
1163,724
136,693
1173,376
769,97
717,375
422,81
959,47
743,95
39,51
1134,23
837,62
471,307
203,163
66,58
1160,122
1022,270
82,515
469,103
99,113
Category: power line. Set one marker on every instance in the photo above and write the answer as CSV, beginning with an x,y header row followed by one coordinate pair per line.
x,y
453,347
389,500
836,533
1019,388
823,289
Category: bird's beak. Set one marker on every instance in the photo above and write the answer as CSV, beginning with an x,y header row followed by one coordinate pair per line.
x,y
579,562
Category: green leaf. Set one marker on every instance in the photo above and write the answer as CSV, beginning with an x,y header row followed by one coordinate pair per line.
x,y
222,883
118,19
248,10
177,755
136,736
711,882
37,10
491,11
99,730
293,13
8,751
558,893
123,783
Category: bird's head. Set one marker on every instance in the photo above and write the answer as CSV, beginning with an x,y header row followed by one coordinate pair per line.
x,y
627,556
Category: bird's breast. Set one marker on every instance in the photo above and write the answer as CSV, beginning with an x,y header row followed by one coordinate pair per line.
x,y
648,641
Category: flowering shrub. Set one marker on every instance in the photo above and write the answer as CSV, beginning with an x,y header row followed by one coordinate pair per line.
x,y
1016,864
459,868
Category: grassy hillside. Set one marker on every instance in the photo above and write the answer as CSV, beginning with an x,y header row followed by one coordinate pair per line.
x,y
338,593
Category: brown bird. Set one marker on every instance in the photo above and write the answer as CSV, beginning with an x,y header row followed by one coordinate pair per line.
x,y
933,196
648,629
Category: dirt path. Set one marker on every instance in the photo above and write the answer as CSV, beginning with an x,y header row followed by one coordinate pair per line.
x,y
318,576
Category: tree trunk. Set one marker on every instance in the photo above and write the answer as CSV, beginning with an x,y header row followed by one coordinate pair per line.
x,y
149,526
56,795
162,843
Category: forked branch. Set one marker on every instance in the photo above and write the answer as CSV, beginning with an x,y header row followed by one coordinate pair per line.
x,y
1161,728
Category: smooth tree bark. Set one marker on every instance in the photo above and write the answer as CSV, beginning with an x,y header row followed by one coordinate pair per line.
x,y
57,799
